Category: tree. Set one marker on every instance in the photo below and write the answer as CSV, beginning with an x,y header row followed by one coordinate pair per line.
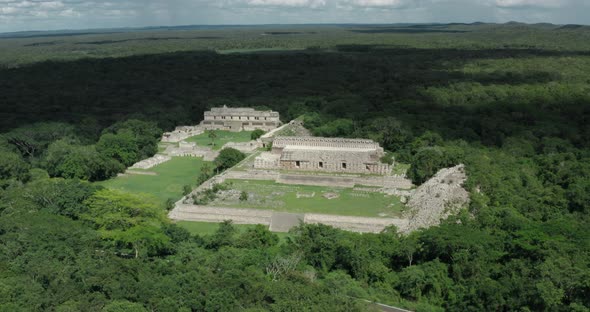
x,y
123,306
211,134
578,195
228,157
257,237
205,173
387,159
390,133
120,146
224,235
67,160
128,220
32,140
409,247
426,164
146,135
12,166
144,238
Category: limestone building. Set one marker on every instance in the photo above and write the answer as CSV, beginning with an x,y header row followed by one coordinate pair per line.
x,y
324,154
240,119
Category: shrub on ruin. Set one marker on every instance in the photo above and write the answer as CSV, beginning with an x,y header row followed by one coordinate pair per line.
x,y
170,204
228,157
387,159
243,196
256,134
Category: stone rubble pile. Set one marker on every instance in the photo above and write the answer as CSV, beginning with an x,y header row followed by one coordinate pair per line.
x,y
437,199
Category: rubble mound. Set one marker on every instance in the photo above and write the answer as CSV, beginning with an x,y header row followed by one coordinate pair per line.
x,y
331,195
437,198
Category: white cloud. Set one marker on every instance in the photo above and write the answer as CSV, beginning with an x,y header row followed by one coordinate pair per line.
x,y
287,3
384,3
553,4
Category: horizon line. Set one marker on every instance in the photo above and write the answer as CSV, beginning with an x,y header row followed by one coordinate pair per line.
x,y
130,28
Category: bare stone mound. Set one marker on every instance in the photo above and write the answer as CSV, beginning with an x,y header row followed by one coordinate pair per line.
x,y
437,199
331,195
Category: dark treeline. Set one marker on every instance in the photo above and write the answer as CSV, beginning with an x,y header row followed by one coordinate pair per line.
x,y
518,118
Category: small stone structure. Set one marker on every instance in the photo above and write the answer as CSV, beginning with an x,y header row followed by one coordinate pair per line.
x,y
191,149
151,162
324,154
240,119
244,147
181,133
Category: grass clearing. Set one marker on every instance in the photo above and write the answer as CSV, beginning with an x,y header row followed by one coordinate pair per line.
x,y
223,137
170,177
309,199
207,228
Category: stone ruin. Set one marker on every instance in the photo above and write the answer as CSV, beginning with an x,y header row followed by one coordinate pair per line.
x,y
437,199
181,133
227,118
324,154
240,119
151,162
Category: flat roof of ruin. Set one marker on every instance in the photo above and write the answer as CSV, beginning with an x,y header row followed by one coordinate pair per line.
x,y
226,109
318,142
328,149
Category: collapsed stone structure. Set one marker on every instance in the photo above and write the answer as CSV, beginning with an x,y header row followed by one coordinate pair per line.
x,y
240,119
437,199
324,154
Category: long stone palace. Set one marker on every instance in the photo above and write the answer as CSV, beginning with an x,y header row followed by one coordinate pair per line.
x,y
324,154
227,118
240,119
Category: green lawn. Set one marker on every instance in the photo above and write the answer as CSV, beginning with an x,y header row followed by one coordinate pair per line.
x,y
171,177
280,197
222,138
206,228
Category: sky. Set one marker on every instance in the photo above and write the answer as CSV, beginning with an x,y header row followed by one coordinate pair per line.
x,y
23,15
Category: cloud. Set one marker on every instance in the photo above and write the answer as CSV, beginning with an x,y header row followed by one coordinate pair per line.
x,y
288,3
392,4
58,14
550,4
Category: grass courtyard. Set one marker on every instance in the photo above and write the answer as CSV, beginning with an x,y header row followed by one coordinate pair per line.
x,y
222,137
168,181
308,199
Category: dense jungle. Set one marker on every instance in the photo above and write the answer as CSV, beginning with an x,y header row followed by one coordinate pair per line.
x,y
510,101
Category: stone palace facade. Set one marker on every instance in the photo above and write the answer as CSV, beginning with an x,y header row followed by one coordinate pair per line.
x,y
324,154
240,119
